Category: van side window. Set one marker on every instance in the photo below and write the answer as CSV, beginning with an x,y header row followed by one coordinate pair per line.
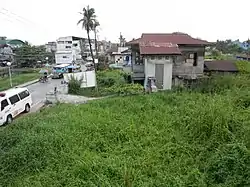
x,y
4,103
24,94
14,99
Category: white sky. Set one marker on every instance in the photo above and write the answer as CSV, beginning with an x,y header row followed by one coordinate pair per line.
x,y
46,20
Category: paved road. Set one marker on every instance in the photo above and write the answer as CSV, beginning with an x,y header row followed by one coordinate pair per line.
x,y
39,90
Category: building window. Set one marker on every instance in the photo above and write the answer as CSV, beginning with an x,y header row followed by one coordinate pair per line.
x,y
195,59
64,56
152,57
160,58
69,42
68,47
60,42
75,45
192,58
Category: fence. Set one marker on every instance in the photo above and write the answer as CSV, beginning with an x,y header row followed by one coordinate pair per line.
x,y
87,78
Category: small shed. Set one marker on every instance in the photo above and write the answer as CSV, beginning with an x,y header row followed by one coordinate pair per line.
x,y
220,66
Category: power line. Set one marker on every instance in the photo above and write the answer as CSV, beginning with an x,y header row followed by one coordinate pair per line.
x,y
6,18
21,18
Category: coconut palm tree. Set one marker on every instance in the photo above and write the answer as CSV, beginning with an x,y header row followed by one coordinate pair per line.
x,y
96,24
87,21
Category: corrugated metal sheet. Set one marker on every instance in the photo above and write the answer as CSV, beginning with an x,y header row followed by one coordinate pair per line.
x,y
162,43
151,50
221,65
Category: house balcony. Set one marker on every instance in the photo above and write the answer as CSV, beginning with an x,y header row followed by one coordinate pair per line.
x,y
138,72
138,68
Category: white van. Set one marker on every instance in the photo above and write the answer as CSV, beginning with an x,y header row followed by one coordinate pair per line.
x,y
13,102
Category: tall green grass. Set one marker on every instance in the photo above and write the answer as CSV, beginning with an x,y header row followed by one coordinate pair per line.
x,y
163,139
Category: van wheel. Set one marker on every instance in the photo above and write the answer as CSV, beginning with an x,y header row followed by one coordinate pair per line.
x,y
27,108
9,119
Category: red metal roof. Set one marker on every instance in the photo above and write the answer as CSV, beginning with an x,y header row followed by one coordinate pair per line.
x,y
162,43
176,38
152,50
158,48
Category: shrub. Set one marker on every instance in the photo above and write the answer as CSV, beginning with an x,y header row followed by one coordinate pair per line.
x,y
109,78
243,66
230,166
220,83
74,85
126,89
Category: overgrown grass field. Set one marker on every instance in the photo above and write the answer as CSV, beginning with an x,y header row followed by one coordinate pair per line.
x,y
170,139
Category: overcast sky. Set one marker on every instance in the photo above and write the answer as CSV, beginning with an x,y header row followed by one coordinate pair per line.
x,y
40,21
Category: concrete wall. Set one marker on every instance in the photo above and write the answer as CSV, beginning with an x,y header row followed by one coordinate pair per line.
x,y
182,67
88,78
150,70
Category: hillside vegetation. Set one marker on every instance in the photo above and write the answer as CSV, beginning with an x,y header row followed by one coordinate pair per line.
x,y
183,138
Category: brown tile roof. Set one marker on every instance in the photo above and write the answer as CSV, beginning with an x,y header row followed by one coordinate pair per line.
x,y
221,66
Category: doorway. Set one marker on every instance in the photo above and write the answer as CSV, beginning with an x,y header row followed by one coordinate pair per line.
x,y
159,74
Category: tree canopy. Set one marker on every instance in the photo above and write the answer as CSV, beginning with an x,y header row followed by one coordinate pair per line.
x,y
32,56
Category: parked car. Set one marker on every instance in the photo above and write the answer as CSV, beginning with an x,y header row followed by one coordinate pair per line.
x,y
14,102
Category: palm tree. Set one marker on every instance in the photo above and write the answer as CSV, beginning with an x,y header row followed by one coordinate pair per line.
x,y
96,24
88,20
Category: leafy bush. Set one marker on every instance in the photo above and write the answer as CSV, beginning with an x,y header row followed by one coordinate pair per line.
x,y
125,89
109,78
243,66
220,83
74,86
229,166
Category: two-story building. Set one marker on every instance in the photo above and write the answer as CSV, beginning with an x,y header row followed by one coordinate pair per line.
x,y
169,58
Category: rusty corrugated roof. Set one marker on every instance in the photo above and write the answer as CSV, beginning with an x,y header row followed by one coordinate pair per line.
x,y
165,43
221,65
176,38
150,48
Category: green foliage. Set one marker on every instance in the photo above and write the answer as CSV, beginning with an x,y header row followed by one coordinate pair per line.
x,y
28,56
243,66
220,84
162,139
74,85
109,78
228,47
125,89
230,166
112,82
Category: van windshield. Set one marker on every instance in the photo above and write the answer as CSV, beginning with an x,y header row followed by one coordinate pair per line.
x,y
57,68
